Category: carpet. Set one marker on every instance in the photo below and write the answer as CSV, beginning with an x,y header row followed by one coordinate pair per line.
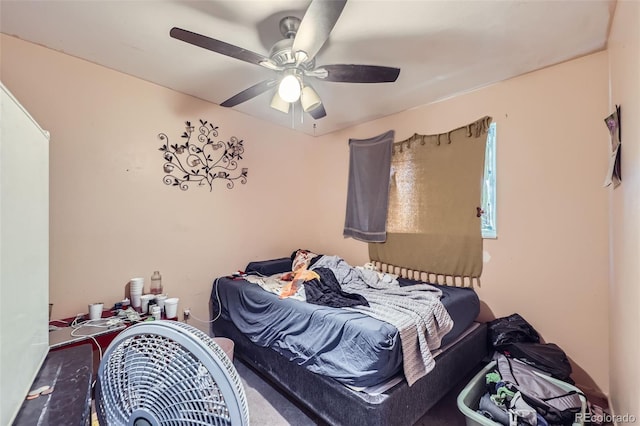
x,y
267,405
270,407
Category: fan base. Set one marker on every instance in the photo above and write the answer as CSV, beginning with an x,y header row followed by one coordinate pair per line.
x,y
142,418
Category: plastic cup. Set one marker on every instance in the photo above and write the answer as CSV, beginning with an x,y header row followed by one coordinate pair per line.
x,y
171,307
136,299
160,298
136,284
95,311
144,299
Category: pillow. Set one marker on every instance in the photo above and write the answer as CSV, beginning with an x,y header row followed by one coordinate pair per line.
x,y
270,267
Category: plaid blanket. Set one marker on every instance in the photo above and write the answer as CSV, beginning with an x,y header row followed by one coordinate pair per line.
x,y
416,311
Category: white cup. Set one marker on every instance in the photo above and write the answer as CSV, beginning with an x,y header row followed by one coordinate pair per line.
x,y
171,307
95,311
160,298
144,299
136,284
136,299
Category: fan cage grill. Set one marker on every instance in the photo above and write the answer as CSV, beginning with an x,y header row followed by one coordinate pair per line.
x,y
172,373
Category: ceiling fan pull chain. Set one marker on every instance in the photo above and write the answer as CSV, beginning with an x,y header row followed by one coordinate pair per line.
x,y
301,116
293,115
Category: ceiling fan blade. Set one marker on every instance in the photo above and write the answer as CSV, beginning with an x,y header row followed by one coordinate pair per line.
x,y
316,25
251,92
318,112
218,46
359,73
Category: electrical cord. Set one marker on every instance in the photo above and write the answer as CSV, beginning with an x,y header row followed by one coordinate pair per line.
x,y
77,325
101,322
191,315
205,321
219,304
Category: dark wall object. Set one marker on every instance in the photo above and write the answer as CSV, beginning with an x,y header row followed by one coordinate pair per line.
x,y
201,159
614,172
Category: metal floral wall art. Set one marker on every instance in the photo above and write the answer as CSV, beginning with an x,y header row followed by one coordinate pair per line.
x,y
202,160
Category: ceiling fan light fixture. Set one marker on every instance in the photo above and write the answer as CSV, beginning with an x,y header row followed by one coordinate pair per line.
x,y
309,99
289,88
280,104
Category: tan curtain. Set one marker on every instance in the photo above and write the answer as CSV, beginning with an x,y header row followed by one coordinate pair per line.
x,y
433,223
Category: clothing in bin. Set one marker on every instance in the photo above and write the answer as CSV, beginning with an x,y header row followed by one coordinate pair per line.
x,y
518,394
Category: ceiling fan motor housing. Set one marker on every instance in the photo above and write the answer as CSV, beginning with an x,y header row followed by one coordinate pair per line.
x,y
281,53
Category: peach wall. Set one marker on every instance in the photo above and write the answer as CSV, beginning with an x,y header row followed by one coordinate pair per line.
x,y
550,261
624,68
112,218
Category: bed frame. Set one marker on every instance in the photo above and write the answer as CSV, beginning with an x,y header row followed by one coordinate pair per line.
x,y
336,404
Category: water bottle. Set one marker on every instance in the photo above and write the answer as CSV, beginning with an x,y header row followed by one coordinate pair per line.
x,y
156,283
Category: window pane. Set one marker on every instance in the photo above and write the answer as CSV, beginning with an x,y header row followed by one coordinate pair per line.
x,y
489,186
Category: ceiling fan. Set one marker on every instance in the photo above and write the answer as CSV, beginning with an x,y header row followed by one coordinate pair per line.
x,y
294,60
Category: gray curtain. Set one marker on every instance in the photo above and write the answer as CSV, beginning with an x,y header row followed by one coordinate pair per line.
x,y
368,190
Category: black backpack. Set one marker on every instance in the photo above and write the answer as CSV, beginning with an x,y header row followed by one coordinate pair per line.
x,y
547,357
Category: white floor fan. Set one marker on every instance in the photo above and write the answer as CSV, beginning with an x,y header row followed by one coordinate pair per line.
x,y
168,373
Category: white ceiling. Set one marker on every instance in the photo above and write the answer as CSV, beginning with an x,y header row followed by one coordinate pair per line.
x,y
443,48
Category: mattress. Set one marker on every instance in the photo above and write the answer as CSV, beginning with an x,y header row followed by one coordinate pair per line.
x,y
340,405
351,347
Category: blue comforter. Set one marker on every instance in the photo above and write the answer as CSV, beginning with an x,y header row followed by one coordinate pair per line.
x,y
353,348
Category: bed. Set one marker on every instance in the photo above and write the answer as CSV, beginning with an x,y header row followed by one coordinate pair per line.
x,y
341,363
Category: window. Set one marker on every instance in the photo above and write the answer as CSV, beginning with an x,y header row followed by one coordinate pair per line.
x,y
489,186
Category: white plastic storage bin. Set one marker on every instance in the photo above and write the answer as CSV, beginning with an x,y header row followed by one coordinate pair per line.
x,y
469,398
